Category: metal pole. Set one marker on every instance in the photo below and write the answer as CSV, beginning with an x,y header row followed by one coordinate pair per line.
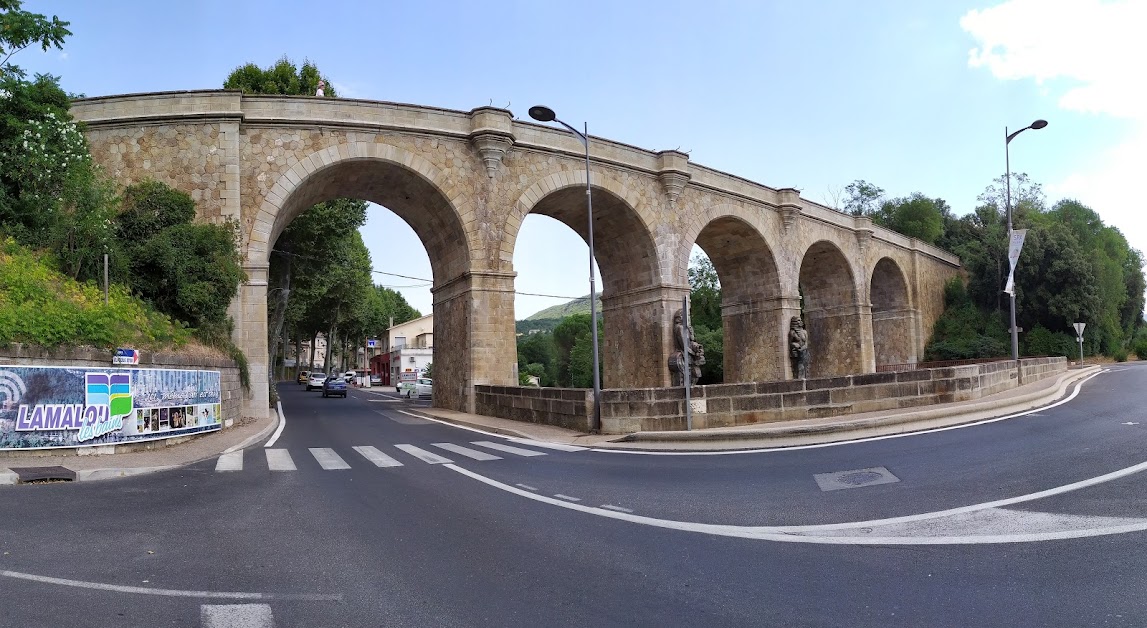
x,y
592,293
685,354
1008,177
105,279
1080,350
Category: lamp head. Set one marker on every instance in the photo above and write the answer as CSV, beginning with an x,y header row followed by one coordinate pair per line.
x,y
1039,124
545,114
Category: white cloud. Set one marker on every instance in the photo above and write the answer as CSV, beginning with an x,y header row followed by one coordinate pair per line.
x,y
1090,53
63,56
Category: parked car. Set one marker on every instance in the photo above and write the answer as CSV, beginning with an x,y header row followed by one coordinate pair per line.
x,y
422,387
335,385
316,380
303,377
375,380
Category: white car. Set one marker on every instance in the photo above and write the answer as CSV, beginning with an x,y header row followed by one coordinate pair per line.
x,y
422,387
315,382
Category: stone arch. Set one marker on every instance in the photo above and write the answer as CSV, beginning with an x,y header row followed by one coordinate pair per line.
x,y
751,299
893,317
390,176
831,311
627,256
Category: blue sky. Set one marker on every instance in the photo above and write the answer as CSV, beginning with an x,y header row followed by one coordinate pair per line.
x,y
911,96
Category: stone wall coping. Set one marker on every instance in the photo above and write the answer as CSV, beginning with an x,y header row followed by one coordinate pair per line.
x,y
372,115
100,357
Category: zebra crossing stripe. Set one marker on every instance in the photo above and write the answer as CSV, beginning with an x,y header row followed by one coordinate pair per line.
x,y
466,451
423,455
328,459
236,616
377,457
508,449
280,460
230,462
557,446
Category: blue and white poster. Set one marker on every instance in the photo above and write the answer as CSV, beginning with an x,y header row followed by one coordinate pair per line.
x,y
45,407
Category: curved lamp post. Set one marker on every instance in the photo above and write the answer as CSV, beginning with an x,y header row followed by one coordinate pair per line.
x,y
1038,124
545,114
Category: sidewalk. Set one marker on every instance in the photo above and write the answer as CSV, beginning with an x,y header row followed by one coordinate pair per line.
x,y
767,435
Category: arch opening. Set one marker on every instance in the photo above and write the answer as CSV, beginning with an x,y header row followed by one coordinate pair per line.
x,y
893,319
831,312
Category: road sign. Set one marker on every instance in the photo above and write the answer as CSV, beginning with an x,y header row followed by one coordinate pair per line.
x,y
1079,328
126,356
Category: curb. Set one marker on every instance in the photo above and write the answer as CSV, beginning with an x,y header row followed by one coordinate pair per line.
x,y
846,429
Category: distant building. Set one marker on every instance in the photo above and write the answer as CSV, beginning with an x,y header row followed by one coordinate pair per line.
x,y
407,348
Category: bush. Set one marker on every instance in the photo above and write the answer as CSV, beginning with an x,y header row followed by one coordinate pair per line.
x,y
1120,355
1041,341
1139,346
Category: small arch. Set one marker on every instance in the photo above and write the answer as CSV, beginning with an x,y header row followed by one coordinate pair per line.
x,y
893,318
831,312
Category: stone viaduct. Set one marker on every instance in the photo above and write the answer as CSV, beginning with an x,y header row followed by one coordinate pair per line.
x,y
464,181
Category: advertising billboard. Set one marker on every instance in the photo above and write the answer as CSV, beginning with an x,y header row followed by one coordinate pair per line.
x,y
43,407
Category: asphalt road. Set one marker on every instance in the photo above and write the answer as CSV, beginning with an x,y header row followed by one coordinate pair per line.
x,y
581,538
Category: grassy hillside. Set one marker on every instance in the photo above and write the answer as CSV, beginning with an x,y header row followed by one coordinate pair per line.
x,y
548,318
39,305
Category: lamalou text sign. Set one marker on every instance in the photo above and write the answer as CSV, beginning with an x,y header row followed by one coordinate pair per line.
x,y
46,407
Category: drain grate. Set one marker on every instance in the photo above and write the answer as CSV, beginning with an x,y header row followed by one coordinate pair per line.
x,y
854,479
34,475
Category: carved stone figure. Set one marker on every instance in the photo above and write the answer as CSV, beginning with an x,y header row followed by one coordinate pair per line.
x,y
677,358
798,348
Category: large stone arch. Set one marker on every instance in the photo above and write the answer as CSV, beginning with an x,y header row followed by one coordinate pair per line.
x,y
893,316
832,312
417,192
752,305
630,273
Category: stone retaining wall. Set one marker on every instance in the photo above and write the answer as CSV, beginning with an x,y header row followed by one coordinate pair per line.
x,y
722,405
231,391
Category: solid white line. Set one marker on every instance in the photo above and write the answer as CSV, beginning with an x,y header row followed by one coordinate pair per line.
x,y
567,497
527,487
377,457
236,616
119,588
279,460
801,534
869,439
508,449
328,459
466,451
547,445
615,508
423,455
282,425
230,462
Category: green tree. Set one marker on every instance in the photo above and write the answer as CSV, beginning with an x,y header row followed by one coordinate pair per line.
x,y
20,29
704,293
283,77
916,216
862,198
190,271
538,349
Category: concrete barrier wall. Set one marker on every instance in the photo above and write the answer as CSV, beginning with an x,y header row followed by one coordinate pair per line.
x,y
723,405
231,390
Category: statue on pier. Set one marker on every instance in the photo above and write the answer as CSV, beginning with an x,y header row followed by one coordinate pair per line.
x,y
677,358
798,348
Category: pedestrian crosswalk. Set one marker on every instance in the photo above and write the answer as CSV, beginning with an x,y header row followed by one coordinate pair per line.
x,y
328,459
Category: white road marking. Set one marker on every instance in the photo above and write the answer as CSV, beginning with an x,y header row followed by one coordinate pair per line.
x,y
282,425
423,455
547,445
847,533
567,497
230,462
236,616
1131,423
765,450
615,508
227,595
280,460
507,448
377,457
8,476
466,451
527,487
328,459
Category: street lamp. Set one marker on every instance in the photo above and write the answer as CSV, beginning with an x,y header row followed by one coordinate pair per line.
x,y
1038,124
545,114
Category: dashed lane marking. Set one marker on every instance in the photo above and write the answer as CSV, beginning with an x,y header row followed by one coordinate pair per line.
x,y
615,508
567,497
328,459
423,455
507,448
377,457
527,487
466,451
